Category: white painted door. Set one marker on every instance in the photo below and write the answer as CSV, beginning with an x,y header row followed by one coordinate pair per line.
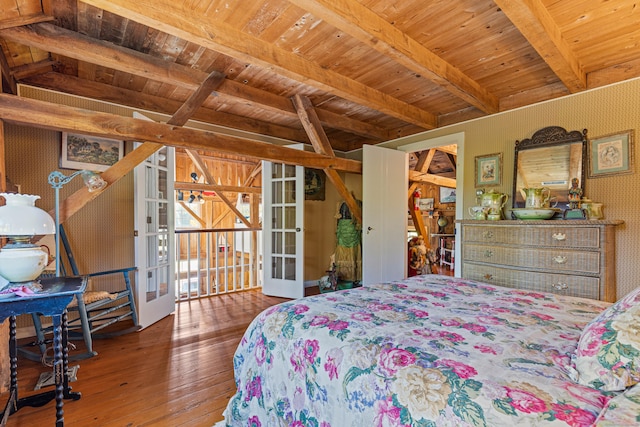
x,y
384,214
155,245
282,228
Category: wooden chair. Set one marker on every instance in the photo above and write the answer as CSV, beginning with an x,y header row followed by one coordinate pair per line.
x,y
95,310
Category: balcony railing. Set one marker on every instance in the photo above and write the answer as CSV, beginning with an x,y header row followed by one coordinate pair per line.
x,y
217,261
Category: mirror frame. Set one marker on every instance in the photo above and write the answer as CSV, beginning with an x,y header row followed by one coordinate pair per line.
x,y
547,137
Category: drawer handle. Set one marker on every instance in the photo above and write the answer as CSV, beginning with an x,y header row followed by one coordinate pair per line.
x,y
488,234
488,276
560,286
559,236
488,254
560,259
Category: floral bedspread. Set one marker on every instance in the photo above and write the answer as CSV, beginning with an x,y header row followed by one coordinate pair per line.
x,y
427,351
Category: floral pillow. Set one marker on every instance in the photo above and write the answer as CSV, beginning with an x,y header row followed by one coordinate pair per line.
x,y
622,410
608,353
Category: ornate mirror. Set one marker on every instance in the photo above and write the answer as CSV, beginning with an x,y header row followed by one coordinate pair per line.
x,y
550,158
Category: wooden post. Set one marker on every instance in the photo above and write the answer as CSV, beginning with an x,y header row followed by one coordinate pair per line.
x,y
4,326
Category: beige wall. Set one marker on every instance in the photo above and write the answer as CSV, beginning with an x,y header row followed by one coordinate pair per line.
x,y
101,233
601,112
320,227
320,233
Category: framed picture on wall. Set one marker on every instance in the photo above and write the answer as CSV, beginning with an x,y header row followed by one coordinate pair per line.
x,y
89,152
447,195
611,154
314,184
489,170
426,204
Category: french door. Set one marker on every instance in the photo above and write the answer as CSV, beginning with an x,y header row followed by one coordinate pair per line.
x,y
282,227
155,245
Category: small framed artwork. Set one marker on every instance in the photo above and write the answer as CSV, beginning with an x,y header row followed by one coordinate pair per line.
x,y
426,204
314,184
489,170
89,152
447,195
611,154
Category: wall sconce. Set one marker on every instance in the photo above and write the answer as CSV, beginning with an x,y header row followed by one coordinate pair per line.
x,y
92,181
20,221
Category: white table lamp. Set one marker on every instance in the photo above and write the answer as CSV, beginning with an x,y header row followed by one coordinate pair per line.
x,y
20,220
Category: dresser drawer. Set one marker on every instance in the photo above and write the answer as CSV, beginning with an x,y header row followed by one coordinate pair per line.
x,y
548,259
552,236
563,284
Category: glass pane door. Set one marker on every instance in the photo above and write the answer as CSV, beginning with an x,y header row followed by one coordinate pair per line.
x,y
154,213
283,200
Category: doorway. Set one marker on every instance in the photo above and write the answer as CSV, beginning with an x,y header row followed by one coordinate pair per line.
x,y
412,145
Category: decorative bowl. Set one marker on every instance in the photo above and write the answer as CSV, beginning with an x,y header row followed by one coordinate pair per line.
x,y
534,213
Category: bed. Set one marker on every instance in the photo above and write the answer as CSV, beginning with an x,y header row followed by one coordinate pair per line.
x,y
439,351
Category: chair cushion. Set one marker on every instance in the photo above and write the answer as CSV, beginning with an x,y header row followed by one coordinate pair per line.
x,y
92,296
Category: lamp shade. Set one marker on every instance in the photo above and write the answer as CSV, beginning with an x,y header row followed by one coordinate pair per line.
x,y
20,216
20,220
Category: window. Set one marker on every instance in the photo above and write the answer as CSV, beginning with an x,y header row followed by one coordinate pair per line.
x,y
184,219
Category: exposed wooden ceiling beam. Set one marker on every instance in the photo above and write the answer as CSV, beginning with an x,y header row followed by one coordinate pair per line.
x,y
202,167
196,186
453,160
254,198
7,75
186,110
424,160
89,89
81,197
321,144
180,21
125,165
365,25
312,126
422,166
535,23
428,178
33,69
58,40
62,118
449,149
25,20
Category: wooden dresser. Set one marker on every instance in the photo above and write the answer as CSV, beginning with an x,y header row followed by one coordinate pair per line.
x,y
568,257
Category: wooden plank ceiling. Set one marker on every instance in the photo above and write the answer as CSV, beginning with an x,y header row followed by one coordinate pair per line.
x,y
374,70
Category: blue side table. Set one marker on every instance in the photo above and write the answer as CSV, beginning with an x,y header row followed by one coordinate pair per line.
x,y
56,294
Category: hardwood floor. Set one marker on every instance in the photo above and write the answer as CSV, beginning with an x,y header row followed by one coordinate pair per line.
x,y
444,270
177,372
